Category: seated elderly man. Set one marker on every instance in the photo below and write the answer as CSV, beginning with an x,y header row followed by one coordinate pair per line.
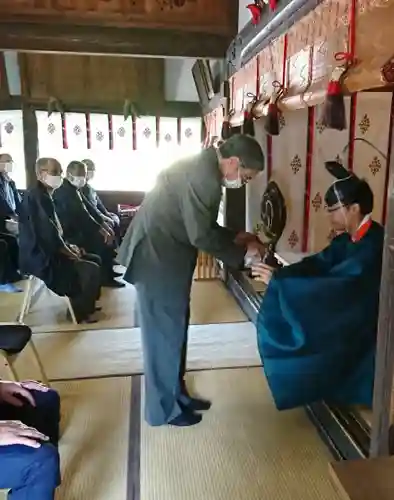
x,y
317,323
91,195
82,224
29,435
65,269
10,201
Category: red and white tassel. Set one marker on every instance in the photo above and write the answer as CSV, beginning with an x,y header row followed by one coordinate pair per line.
x,y
256,11
334,113
271,3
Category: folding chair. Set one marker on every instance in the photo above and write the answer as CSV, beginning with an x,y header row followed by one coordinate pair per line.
x,y
14,337
33,291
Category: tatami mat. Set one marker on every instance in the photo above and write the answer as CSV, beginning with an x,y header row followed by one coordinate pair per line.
x,y
211,302
91,353
94,445
243,449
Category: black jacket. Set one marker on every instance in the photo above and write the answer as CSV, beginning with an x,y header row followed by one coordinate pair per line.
x,y
41,242
79,218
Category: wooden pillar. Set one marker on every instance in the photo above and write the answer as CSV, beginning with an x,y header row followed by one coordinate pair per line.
x,y
384,372
207,267
30,132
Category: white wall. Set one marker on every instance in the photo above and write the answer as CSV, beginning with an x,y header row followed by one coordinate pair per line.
x,y
243,14
12,71
179,83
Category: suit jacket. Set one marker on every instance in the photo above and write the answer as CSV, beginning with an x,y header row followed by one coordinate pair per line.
x,y
91,195
178,217
40,243
79,219
6,210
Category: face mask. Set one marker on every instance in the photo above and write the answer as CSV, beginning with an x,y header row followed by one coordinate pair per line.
x,y
89,175
6,167
78,182
53,181
233,183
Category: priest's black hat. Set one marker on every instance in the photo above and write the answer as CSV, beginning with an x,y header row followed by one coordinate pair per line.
x,y
347,189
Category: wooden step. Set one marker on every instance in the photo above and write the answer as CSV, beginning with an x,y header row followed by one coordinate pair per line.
x,y
365,479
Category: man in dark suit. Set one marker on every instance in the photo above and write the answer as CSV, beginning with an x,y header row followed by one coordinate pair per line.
x,y
10,202
176,219
82,224
66,269
90,193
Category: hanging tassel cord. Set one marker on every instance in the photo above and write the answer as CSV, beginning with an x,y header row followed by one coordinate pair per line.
x,y
252,100
348,60
278,93
361,139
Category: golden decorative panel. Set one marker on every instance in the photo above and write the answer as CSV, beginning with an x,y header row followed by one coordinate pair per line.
x,y
209,16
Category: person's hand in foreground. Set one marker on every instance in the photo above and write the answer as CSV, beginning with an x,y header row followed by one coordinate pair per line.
x,y
12,392
14,432
262,272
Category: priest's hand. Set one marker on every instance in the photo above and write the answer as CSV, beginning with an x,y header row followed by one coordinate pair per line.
x,y
243,238
262,272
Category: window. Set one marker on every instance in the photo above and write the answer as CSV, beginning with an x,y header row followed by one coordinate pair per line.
x,y
11,142
128,157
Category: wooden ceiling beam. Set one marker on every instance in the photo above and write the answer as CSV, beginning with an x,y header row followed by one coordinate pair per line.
x,y
28,37
4,91
178,109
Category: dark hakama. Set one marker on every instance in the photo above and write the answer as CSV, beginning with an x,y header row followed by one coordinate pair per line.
x,y
317,324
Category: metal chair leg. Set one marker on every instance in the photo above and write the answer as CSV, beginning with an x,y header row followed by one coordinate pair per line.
x,y
44,378
8,363
26,299
71,311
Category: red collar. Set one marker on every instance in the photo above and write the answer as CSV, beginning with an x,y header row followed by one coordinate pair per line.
x,y
362,230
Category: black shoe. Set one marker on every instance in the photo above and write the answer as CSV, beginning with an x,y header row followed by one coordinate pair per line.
x,y
185,419
113,284
196,404
82,319
87,321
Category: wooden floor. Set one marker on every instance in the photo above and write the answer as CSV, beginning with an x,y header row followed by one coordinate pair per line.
x,y
364,479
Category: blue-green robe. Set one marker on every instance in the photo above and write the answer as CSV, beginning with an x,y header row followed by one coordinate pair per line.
x,y
317,324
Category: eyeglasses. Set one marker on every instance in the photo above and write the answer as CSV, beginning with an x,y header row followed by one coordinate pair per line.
x,y
244,178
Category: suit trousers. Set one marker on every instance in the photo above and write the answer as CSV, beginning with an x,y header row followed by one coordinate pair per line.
x,y
164,328
9,258
89,277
